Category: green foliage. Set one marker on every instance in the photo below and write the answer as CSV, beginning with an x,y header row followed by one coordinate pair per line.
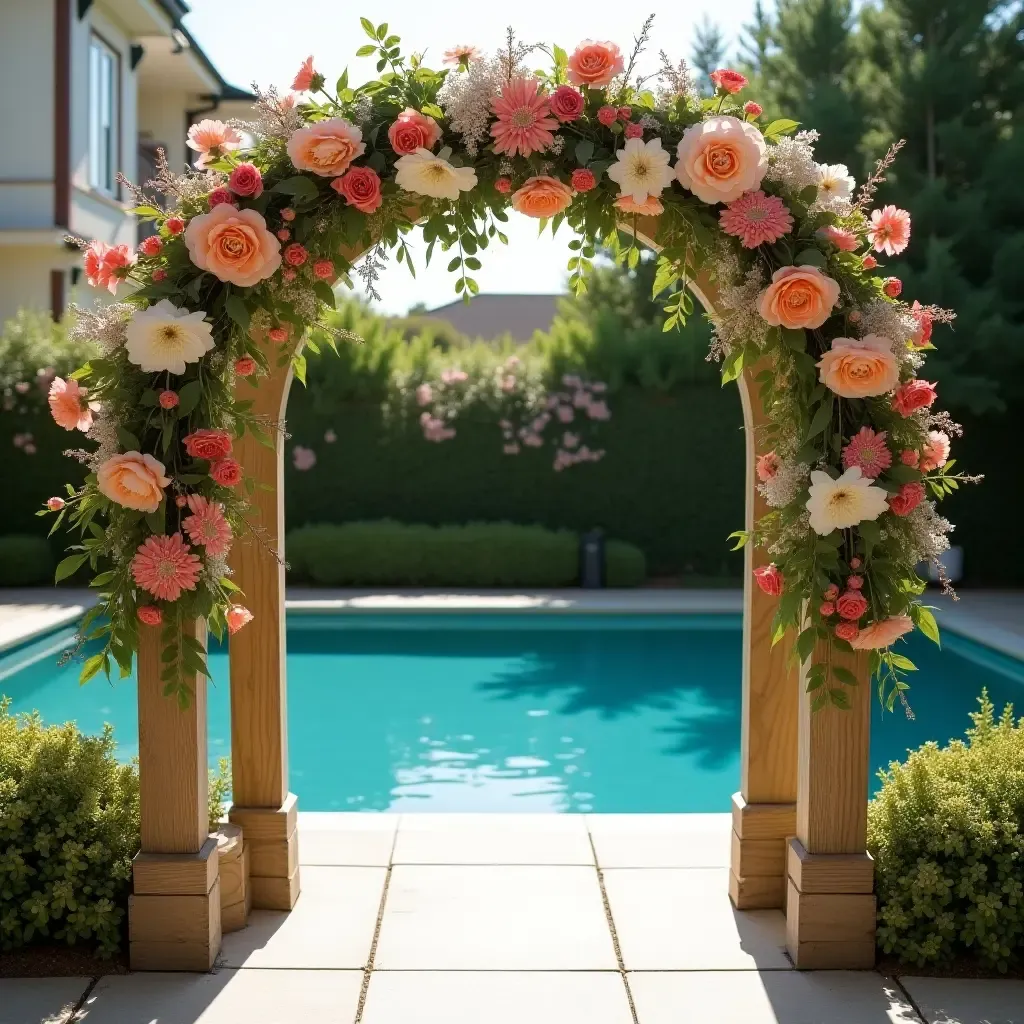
x,y
947,834
625,565
219,791
25,561
69,827
476,555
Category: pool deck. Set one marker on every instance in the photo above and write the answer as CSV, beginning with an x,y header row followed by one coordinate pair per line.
x,y
502,919
991,617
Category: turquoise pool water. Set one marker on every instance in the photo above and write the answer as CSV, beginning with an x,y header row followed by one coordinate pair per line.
x,y
515,712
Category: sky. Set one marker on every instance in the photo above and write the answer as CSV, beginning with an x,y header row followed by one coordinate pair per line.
x,y
266,40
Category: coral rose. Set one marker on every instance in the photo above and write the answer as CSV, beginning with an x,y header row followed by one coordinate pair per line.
x,y
133,480
219,195
246,180
907,499
826,608
295,255
360,187
847,631
769,579
236,617
168,399
326,147
634,131
650,207
503,185
583,179
226,472
542,196
851,605
566,103
323,270
208,444
798,297
595,64
234,245
175,225
67,405
859,367
412,130
721,158
913,395
149,615
882,634
245,367
607,116
728,81
150,245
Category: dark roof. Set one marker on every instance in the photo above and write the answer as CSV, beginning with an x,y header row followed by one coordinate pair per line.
x,y
490,316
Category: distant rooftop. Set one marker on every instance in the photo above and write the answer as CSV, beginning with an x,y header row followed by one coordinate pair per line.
x,y
490,316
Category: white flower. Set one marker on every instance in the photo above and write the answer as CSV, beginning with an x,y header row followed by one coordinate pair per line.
x,y
429,174
166,337
839,504
835,181
641,169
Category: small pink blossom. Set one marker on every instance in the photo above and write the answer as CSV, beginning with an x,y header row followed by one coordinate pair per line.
x,y
246,180
855,582
55,504
909,457
287,214
168,399
935,453
462,55
330,436
245,366
565,413
842,238
634,131
752,109
303,458
607,116
767,466
869,262
68,406
150,245
826,609
847,631
220,195
511,448
532,439
236,617
424,394
226,472
890,230
599,411
924,324
295,255
769,579
855,563
159,274
892,287
831,592
149,615
570,440
503,185
583,180
323,270
277,334
283,234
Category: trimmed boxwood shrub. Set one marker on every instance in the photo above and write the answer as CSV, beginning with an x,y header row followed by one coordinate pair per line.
x,y
69,827
25,561
947,834
625,564
386,553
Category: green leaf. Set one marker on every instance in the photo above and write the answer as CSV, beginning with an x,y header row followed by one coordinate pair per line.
x,y
665,277
368,28
188,397
782,126
325,293
584,151
821,418
90,668
899,661
839,698
811,257
365,51
128,441
238,311
844,675
926,622
795,339
805,643
904,474
69,566
298,186
299,365
733,365
808,195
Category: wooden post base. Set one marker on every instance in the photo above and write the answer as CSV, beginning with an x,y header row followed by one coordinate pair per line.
x,y
757,875
272,842
174,918
830,909
235,890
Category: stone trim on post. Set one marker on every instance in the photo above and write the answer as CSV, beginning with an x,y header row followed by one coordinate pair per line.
x,y
830,902
174,921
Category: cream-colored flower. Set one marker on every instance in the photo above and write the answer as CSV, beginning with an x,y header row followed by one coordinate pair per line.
x,y
641,169
430,174
840,504
166,337
834,181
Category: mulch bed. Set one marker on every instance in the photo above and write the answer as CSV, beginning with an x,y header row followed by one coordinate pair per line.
x,y
60,962
962,968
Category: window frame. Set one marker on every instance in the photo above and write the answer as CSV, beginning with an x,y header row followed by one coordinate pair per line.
x,y
103,166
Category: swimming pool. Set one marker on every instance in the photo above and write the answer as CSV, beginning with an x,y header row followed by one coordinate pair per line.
x,y
515,712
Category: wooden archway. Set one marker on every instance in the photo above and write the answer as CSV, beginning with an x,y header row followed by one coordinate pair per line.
x,y
799,819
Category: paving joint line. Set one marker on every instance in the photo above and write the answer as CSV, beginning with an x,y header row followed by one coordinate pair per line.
x,y
368,969
897,981
77,1008
611,927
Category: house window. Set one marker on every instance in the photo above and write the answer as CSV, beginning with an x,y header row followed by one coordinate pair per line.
x,y
104,75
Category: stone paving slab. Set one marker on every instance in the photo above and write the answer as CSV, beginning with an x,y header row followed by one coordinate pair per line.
x,y
39,1000
661,840
478,918
967,1000
330,927
226,997
680,919
346,839
769,997
496,997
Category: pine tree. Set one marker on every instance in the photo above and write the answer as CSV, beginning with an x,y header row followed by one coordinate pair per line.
x,y
708,53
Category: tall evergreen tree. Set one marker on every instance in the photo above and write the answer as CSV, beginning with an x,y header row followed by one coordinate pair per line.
x,y
708,52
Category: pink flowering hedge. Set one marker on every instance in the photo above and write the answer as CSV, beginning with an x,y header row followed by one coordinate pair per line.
x,y
245,257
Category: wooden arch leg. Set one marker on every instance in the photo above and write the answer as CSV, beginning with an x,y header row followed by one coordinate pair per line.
x,y
830,906
262,805
764,810
174,919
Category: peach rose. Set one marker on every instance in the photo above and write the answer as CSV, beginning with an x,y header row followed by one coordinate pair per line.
x,y
412,130
326,147
798,297
650,207
133,480
721,158
234,245
859,367
882,633
595,64
542,196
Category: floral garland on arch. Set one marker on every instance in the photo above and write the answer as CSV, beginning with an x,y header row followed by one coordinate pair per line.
x,y
247,247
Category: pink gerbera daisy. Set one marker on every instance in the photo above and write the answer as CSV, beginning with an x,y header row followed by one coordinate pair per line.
x,y
890,230
868,451
756,218
461,55
524,119
165,566
841,238
207,525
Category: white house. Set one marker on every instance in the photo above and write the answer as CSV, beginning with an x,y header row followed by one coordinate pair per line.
x,y
89,87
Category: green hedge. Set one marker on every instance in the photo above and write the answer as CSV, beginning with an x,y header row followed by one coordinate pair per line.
x,y
947,834
387,553
25,561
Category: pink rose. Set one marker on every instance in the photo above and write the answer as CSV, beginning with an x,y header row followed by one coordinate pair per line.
x,y
870,262
150,245
323,270
769,579
595,64
909,497
159,274
728,81
634,131
208,444
892,287
234,245
826,609
859,367
246,180
245,367
752,109
295,255
851,605
218,196
287,214
909,457
412,130
583,179
625,113
855,582
360,187
236,617
566,103
149,615
503,185
831,592
855,563
913,395
168,399
283,234
277,334
847,631
226,472
607,116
